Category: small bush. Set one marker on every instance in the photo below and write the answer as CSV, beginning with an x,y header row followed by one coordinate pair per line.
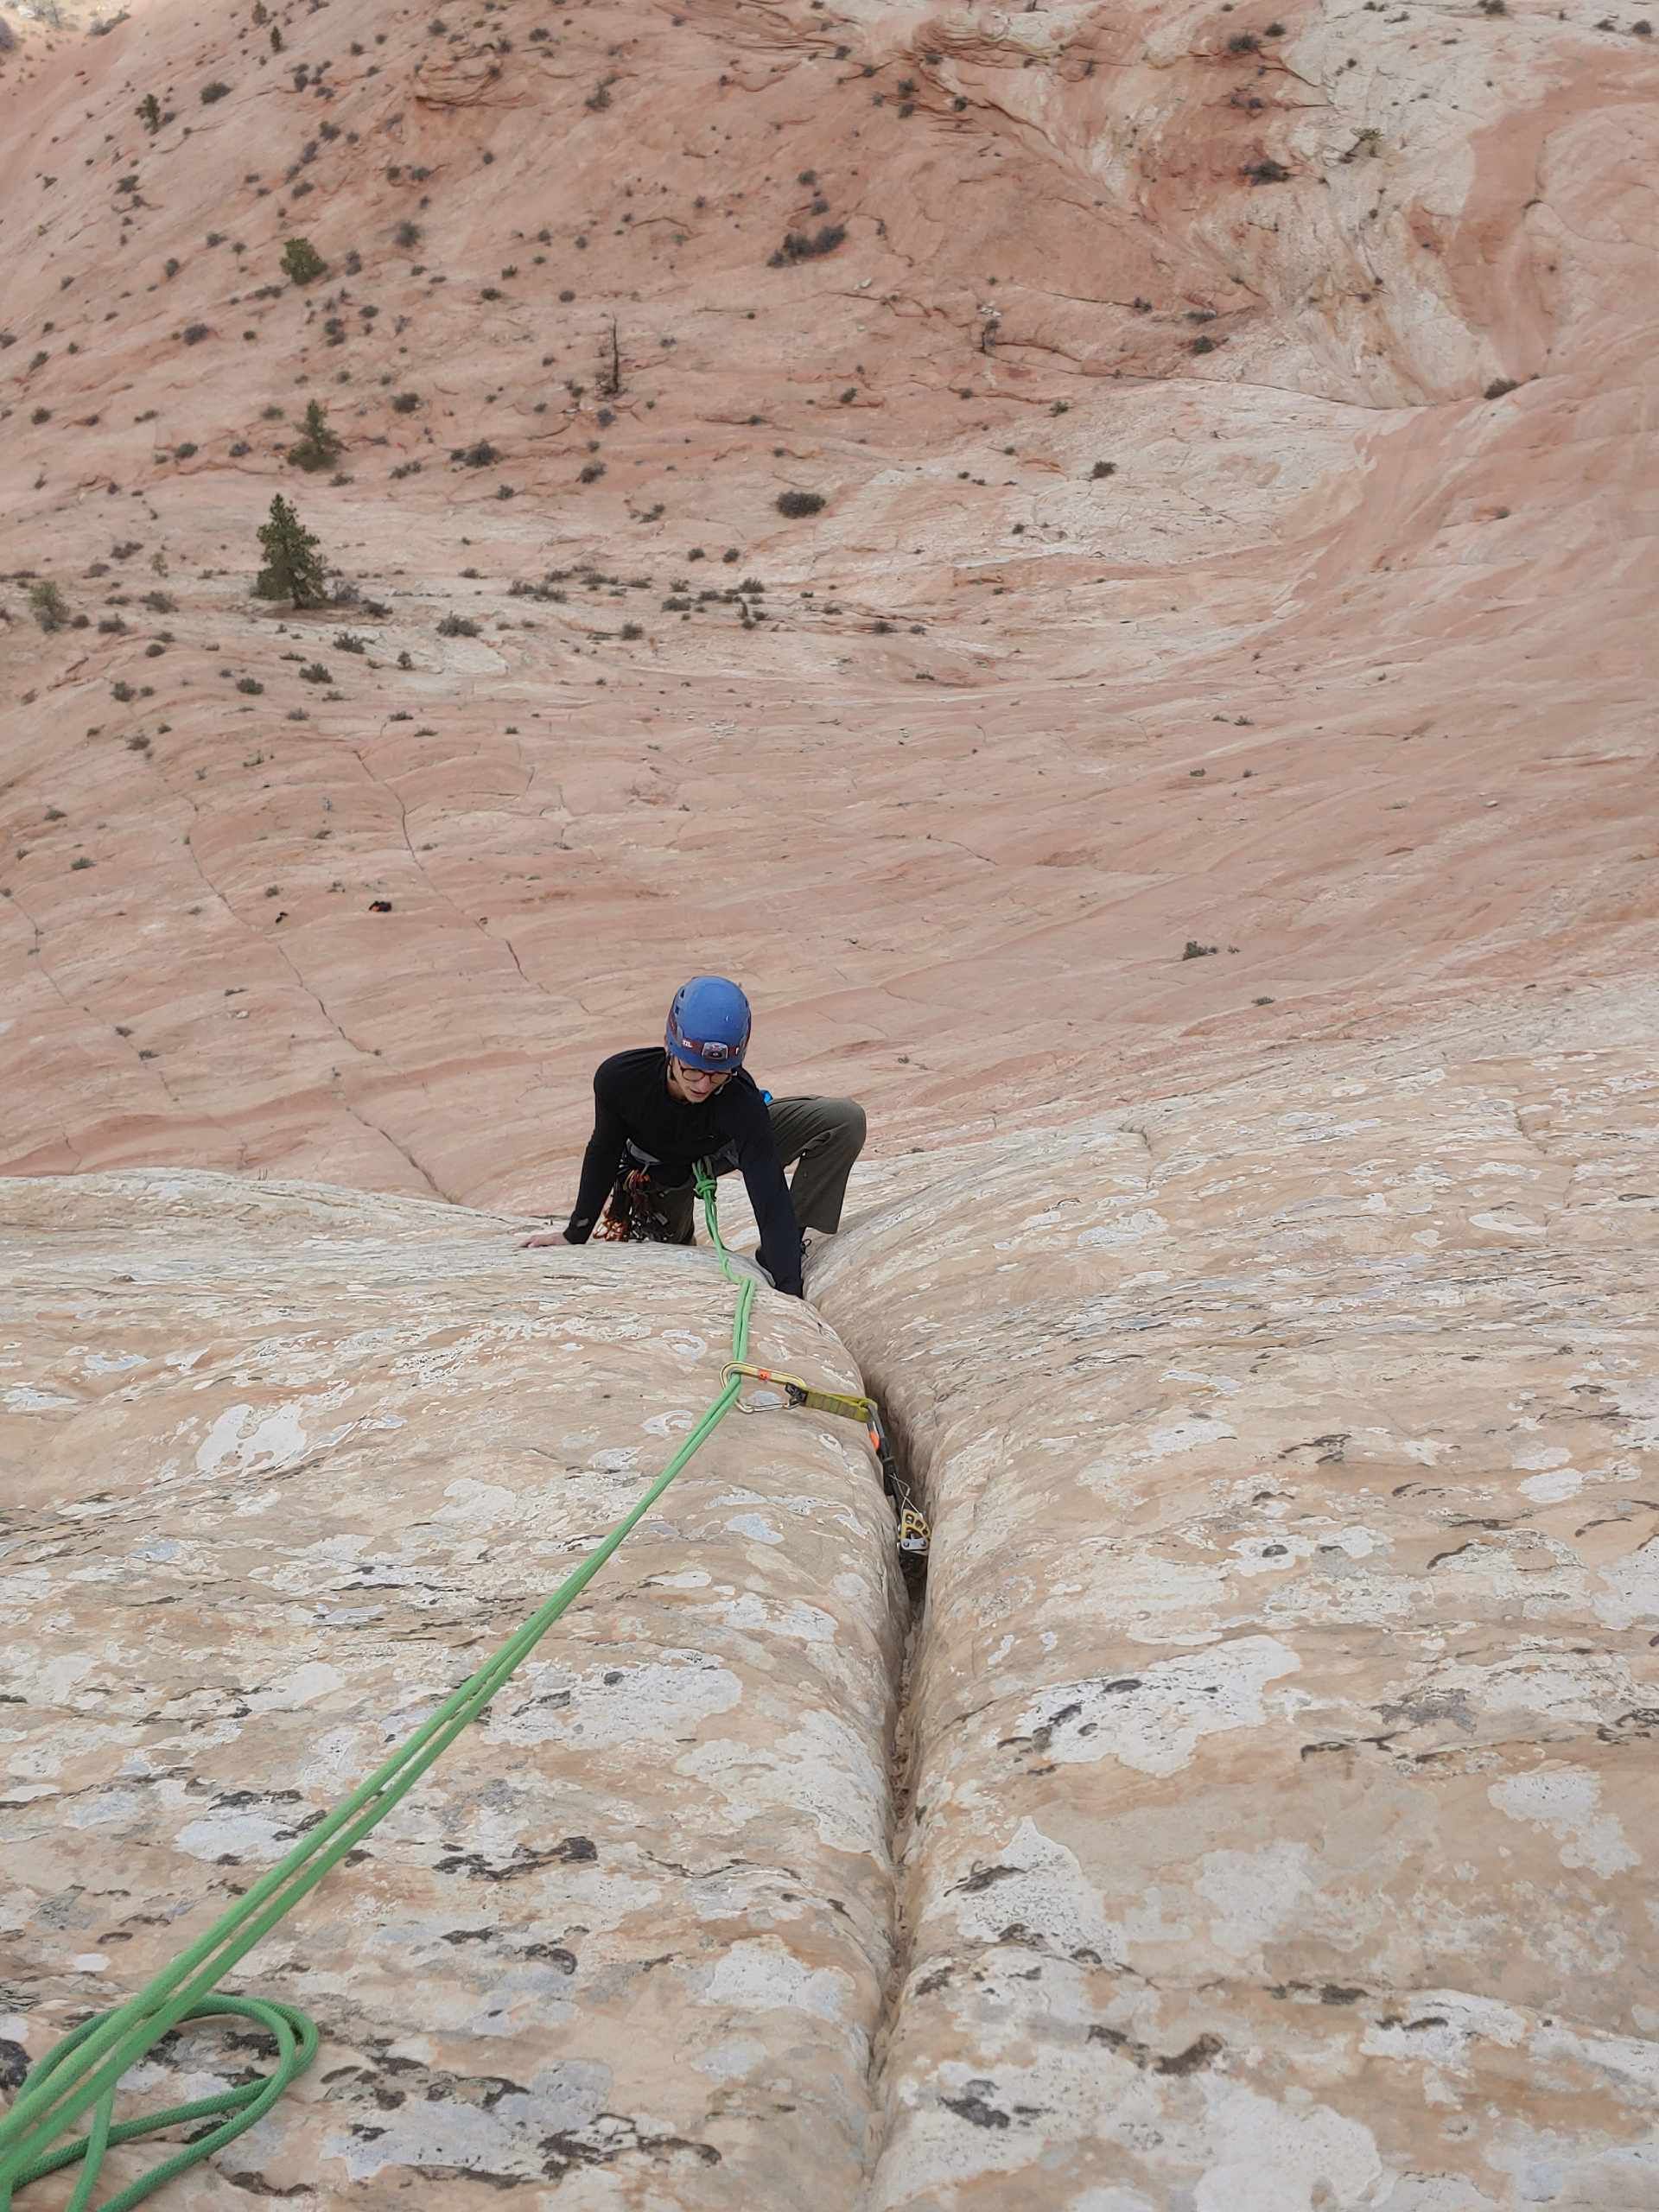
x,y
457,625
250,684
1267,171
1102,468
314,673
1197,951
591,474
47,606
405,403
798,247
477,456
796,504
1498,386
301,263
347,641
216,91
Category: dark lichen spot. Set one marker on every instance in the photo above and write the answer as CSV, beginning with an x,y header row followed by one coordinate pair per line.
x,y
981,1878
1193,2059
552,1954
971,2106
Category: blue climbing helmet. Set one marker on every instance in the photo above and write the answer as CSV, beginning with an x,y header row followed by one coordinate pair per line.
x,y
708,1024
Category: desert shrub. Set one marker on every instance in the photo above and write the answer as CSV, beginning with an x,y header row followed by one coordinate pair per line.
x,y
250,684
301,262
796,504
47,606
216,91
457,625
798,247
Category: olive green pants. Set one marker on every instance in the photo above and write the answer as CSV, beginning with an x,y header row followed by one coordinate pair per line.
x,y
819,1137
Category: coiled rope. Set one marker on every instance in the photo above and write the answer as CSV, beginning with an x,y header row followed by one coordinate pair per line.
x,y
84,2069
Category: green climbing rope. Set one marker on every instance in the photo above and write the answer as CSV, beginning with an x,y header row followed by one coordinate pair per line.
x,y
84,2069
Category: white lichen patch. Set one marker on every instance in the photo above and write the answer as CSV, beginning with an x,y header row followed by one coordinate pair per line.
x,y
1153,1720
1566,1801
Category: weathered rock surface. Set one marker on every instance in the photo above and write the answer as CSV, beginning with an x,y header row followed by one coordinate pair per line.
x,y
282,1465
1283,1734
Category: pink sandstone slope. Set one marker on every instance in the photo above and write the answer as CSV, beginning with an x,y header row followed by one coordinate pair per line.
x,y
1341,665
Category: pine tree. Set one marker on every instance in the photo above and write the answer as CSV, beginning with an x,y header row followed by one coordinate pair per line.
x,y
294,567
150,113
318,447
275,40
261,13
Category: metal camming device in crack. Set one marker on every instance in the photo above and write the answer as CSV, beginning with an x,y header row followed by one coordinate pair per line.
x,y
913,1534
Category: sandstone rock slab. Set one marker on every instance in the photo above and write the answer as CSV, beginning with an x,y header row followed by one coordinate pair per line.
x,y
282,1464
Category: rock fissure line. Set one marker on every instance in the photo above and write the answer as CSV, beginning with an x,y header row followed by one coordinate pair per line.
x,y
901,1809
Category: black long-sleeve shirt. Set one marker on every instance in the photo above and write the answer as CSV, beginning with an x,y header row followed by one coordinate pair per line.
x,y
632,1100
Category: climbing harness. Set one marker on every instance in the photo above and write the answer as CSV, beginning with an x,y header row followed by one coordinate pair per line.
x,y
914,1533
84,2071
634,1213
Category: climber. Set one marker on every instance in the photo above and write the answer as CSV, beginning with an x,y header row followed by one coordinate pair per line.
x,y
657,1112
